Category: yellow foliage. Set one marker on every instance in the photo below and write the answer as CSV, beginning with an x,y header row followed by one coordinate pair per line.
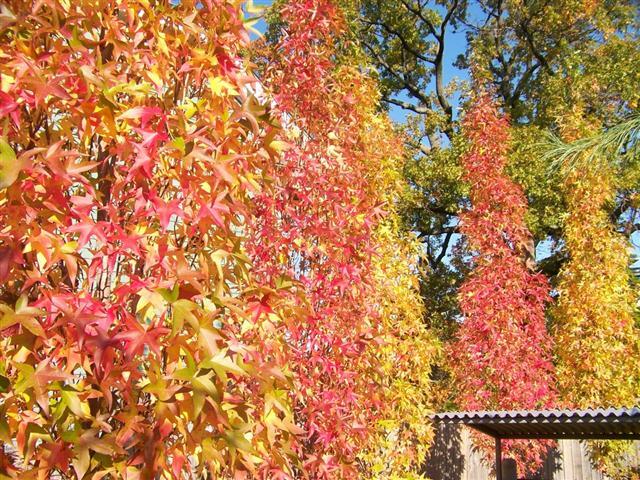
x,y
597,342
408,350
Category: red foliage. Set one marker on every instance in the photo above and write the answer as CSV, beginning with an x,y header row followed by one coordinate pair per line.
x,y
125,290
318,230
503,351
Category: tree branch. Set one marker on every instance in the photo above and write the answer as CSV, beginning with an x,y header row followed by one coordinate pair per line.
x,y
534,51
418,13
415,91
400,37
439,61
444,247
406,105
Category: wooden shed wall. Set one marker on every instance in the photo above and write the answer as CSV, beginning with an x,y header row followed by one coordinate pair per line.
x,y
453,457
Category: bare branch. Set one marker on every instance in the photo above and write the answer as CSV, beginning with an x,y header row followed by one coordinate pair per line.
x,y
406,105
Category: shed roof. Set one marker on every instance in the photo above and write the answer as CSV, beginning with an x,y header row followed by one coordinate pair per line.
x,y
605,424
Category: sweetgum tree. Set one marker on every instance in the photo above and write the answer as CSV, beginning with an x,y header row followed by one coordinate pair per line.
x,y
596,309
360,351
502,353
131,148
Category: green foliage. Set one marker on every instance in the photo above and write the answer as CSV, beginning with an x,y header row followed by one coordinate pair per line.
x,y
542,60
430,206
532,171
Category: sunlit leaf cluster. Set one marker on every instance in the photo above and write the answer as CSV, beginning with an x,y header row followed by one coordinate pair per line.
x,y
502,353
202,275
595,312
220,259
132,150
361,354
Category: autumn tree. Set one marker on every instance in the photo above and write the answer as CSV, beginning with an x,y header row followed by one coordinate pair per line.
x,y
596,305
331,227
596,309
502,352
132,148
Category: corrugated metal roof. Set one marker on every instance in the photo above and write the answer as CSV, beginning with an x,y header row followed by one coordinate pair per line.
x,y
599,423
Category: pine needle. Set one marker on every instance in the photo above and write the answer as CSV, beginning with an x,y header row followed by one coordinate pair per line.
x,y
618,146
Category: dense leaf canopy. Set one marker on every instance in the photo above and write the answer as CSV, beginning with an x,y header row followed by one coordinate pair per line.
x,y
220,258
502,356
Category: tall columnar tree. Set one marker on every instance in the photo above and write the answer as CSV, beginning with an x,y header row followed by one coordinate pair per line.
x,y
401,437
360,352
131,150
502,352
316,230
596,310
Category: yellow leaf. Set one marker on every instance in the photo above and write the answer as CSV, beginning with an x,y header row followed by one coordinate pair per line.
x,y
279,146
10,166
162,44
77,406
221,363
69,247
221,87
154,77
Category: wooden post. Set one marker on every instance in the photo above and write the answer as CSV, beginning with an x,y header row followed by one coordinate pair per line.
x,y
498,459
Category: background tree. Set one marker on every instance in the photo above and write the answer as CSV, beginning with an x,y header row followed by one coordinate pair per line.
x,y
595,312
502,353
406,41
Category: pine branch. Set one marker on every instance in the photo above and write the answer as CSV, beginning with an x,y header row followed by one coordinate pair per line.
x,y
615,146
